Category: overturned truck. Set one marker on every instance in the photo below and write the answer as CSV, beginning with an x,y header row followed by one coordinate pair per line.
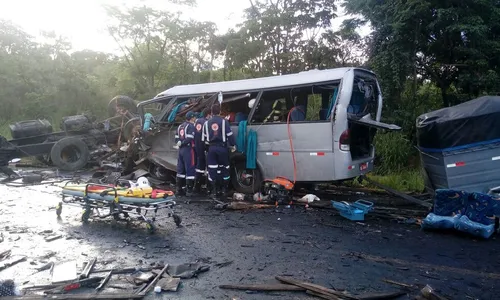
x,y
314,126
69,149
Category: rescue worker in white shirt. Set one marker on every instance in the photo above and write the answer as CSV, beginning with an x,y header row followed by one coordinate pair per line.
x,y
218,135
186,161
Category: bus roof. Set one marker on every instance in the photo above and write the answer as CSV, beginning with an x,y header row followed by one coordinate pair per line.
x,y
302,78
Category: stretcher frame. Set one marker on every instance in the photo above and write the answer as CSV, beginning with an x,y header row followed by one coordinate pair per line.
x,y
119,207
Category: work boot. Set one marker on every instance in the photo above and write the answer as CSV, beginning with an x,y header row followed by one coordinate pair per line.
x,y
179,191
214,190
189,187
197,187
224,188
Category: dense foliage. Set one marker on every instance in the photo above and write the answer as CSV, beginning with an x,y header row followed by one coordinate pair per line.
x,y
427,53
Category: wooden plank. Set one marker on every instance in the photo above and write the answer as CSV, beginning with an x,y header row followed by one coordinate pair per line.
x,y
11,261
399,194
88,268
404,285
152,284
104,281
262,287
314,287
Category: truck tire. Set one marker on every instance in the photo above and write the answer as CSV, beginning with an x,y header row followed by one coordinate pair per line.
x,y
123,101
70,154
244,180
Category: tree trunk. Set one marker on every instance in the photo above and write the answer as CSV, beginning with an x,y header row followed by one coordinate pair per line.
x,y
444,95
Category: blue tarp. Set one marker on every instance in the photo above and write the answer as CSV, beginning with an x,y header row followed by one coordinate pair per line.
x,y
252,150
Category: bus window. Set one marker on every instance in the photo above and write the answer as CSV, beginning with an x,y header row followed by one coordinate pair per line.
x,y
305,104
236,109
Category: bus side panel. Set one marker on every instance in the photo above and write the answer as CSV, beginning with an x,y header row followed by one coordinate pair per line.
x,y
162,151
312,147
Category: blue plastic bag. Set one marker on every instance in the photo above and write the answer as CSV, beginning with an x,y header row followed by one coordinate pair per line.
x,y
464,224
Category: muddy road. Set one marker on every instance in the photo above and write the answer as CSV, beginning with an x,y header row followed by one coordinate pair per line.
x,y
253,247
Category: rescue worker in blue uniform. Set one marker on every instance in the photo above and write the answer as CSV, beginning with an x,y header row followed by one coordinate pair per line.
x,y
186,162
218,135
200,149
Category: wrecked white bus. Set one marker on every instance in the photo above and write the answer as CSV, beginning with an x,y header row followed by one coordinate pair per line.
x,y
328,137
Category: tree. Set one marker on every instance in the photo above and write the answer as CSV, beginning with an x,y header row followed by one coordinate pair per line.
x,y
277,31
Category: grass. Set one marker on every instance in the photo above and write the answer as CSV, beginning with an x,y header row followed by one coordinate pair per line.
x,y
406,181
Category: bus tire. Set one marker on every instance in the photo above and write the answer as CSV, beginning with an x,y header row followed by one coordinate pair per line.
x,y
70,154
123,101
243,180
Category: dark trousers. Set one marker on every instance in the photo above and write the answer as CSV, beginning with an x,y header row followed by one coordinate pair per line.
x,y
218,164
186,163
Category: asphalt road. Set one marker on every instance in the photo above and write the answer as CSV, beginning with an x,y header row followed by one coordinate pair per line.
x,y
316,246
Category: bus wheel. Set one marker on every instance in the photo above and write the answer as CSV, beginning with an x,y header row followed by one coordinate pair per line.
x,y
246,181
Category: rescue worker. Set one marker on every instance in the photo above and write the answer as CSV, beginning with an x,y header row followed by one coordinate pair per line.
x,y
186,162
218,135
200,149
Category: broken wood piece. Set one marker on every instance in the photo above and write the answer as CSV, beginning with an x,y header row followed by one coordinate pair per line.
x,y
11,261
323,296
404,285
314,288
144,277
381,296
169,284
244,205
88,268
125,270
104,281
77,297
153,283
5,254
263,287
53,238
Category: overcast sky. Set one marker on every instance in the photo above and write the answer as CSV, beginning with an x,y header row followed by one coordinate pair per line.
x,y
83,21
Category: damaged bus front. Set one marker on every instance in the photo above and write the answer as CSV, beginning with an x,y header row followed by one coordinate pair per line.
x,y
314,126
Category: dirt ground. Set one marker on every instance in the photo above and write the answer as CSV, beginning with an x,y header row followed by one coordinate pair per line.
x,y
316,246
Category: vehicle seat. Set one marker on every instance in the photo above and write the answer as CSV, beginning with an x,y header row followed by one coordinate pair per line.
x,y
298,114
240,117
323,113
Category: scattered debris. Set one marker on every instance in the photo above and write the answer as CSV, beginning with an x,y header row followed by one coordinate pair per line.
x,y
11,261
430,294
64,272
104,281
245,205
53,238
309,198
169,284
263,287
187,271
88,268
153,283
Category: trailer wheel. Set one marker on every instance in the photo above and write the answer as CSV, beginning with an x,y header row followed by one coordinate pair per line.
x,y
70,154
123,102
246,181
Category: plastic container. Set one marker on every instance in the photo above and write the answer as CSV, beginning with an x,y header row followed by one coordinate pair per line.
x,y
30,128
355,211
78,123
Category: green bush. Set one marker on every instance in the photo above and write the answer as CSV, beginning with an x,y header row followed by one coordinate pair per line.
x,y
393,153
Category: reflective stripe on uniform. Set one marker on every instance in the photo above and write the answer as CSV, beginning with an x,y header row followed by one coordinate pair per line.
x,y
199,171
190,136
213,166
189,177
230,133
176,136
223,131
181,176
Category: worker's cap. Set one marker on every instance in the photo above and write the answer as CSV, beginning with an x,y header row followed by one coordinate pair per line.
x,y
190,115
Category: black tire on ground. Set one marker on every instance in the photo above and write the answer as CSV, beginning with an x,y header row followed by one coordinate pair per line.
x,y
70,154
123,101
245,180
